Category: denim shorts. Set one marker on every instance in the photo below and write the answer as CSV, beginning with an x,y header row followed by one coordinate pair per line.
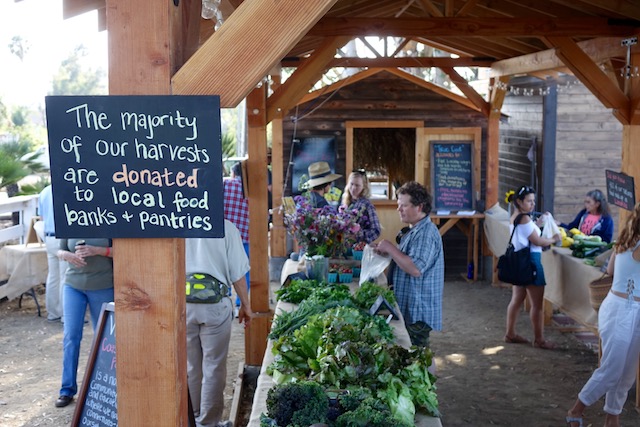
x,y
536,259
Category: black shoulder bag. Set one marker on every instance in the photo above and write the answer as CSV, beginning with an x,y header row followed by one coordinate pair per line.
x,y
515,267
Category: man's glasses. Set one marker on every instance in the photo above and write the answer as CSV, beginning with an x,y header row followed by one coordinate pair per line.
x,y
401,234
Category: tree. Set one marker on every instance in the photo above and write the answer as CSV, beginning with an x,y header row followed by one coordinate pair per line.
x,y
74,79
19,47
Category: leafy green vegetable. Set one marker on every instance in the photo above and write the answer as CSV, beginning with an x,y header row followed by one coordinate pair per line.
x,y
297,404
368,292
297,291
371,413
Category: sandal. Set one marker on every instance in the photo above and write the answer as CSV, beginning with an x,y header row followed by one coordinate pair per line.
x,y
516,339
545,345
571,420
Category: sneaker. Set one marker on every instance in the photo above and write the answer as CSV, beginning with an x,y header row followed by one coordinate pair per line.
x,y
236,311
53,319
227,423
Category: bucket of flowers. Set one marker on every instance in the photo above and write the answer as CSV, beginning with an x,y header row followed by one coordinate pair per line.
x,y
322,231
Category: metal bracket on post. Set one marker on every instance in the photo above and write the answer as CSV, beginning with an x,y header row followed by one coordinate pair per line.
x,y
627,72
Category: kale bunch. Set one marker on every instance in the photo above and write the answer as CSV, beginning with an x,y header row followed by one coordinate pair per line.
x,y
298,404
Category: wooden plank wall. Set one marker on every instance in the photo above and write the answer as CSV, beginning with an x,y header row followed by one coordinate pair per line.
x,y
588,141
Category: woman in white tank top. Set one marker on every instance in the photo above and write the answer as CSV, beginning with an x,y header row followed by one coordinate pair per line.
x,y
619,330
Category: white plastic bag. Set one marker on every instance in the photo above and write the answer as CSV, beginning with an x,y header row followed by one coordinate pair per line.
x,y
549,227
372,264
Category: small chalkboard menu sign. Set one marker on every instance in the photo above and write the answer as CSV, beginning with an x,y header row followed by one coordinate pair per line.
x,y
97,400
136,166
620,190
452,175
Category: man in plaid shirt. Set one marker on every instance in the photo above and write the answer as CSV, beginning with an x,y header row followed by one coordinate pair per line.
x,y
236,209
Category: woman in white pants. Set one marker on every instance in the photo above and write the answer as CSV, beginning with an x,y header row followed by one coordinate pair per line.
x,y
619,329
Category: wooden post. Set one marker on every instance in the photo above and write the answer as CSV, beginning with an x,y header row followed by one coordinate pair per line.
x,y
149,274
630,164
278,232
256,335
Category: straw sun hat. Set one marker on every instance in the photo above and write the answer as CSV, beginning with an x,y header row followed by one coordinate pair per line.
x,y
320,173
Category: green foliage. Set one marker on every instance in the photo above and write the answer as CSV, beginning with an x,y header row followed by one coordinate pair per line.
x,y
370,413
368,293
297,404
12,169
228,145
73,78
36,188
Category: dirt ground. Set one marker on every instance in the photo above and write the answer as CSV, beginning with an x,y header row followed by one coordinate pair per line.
x,y
482,381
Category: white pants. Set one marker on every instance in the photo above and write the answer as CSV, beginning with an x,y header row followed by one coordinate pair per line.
x,y
208,336
619,328
55,279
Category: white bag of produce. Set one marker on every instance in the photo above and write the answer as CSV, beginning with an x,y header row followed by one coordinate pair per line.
x,y
373,265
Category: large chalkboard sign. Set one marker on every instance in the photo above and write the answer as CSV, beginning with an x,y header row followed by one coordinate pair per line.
x,y
136,166
452,175
620,190
97,401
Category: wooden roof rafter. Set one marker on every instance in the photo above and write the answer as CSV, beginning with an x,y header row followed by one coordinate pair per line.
x,y
467,90
303,79
593,77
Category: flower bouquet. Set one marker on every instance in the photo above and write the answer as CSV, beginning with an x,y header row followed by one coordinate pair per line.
x,y
322,231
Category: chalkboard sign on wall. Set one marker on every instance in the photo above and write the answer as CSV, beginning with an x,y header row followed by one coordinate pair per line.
x,y
136,166
620,190
451,175
97,400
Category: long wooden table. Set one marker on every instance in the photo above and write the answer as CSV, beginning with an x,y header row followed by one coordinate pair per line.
x,y
265,381
470,226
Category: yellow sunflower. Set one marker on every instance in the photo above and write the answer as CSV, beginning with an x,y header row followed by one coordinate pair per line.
x,y
508,195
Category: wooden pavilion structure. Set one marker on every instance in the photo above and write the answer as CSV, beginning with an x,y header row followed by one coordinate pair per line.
x,y
164,47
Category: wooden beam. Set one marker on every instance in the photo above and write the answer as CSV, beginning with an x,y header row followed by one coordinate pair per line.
x,y
401,62
630,164
468,91
472,27
597,49
497,96
256,334
591,75
338,85
303,79
431,8
630,9
464,10
214,68
149,274
435,88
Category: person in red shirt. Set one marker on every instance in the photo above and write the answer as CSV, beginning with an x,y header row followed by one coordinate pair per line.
x,y
236,210
595,219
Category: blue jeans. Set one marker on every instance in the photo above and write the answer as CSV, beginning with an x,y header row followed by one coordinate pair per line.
x,y
75,305
246,250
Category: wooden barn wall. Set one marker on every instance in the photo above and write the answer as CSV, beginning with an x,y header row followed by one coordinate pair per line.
x,y
588,141
523,126
383,97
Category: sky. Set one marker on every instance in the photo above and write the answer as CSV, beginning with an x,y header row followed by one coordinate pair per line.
x,y
51,39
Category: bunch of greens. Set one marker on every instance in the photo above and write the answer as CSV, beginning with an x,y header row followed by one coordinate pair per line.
x,y
358,408
368,292
324,345
297,291
296,405
321,299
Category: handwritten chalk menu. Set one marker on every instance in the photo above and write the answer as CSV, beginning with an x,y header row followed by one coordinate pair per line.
x,y
620,190
451,175
136,166
97,401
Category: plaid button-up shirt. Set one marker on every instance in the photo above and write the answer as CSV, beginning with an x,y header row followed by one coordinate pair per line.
x,y
236,207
